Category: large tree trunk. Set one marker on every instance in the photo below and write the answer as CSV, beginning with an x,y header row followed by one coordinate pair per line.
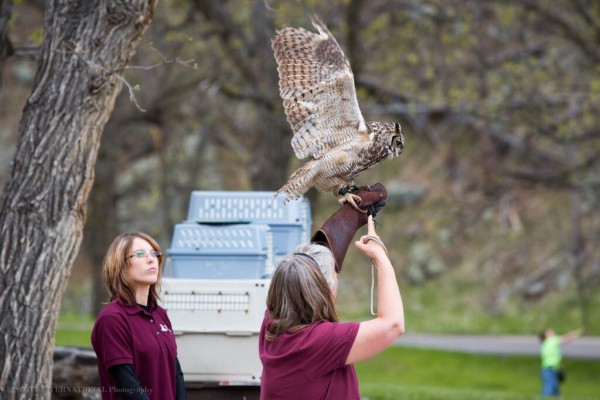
x,y
271,155
87,44
102,225
271,149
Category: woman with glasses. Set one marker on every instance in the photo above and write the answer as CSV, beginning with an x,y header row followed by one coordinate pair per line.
x,y
132,336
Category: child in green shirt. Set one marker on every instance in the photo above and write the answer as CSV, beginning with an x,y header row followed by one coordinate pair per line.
x,y
551,357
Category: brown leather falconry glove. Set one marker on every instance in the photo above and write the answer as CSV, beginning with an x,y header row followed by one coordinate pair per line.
x,y
339,230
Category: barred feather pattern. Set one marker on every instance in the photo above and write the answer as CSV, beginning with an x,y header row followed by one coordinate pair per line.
x,y
338,168
317,87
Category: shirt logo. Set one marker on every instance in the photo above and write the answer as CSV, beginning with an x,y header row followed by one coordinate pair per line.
x,y
165,328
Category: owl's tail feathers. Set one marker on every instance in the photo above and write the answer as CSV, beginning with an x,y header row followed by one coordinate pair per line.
x,y
289,195
299,183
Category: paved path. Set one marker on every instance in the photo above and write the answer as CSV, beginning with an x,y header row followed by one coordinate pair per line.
x,y
587,347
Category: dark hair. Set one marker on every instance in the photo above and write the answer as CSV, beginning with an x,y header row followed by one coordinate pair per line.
x,y
543,335
299,294
116,265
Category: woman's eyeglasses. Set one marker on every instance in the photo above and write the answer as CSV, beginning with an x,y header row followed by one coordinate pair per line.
x,y
143,253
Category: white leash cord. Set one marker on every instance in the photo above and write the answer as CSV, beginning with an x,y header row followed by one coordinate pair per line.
x,y
373,266
372,285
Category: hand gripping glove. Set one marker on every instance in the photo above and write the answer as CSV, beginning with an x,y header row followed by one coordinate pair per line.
x,y
339,230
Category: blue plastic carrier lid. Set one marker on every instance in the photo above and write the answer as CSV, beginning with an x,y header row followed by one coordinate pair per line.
x,y
234,239
248,207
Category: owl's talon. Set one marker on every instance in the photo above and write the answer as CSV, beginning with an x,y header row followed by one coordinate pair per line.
x,y
352,198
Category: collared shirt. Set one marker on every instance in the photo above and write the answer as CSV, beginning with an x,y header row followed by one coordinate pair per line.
x,y
310,363
131,335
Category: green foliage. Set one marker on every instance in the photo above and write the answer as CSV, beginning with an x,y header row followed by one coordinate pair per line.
x,y
37,36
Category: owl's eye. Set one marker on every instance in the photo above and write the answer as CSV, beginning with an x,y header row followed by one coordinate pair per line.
x,y
397,141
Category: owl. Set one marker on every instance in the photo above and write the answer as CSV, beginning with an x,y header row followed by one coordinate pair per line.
x,y
319,98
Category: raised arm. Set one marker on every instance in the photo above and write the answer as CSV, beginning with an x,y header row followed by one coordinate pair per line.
x,y
570,336
378,334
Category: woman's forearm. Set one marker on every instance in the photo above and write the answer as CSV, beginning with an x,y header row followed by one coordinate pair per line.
x,y
389,299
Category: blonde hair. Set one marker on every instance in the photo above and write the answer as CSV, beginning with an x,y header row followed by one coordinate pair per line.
x,y
300,293
116,266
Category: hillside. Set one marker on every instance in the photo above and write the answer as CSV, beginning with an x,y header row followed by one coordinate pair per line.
x,y
468,262
475,250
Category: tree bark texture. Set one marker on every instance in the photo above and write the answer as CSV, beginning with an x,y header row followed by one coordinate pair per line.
x,y
86,47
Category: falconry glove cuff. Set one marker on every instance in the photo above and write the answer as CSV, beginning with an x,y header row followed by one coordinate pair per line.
x,y
339,230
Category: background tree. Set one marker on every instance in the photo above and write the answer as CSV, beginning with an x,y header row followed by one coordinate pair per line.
x,y
497,101
5,45
481,88
85,50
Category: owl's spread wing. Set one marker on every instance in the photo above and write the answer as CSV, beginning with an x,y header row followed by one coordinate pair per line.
x,y
317,88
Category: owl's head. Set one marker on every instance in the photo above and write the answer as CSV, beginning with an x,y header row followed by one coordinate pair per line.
x,y
394,140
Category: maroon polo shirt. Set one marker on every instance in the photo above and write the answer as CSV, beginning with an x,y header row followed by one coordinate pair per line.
x,y
131,335
310,363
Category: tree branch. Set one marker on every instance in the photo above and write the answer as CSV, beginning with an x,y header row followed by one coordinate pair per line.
x,y
165,61
562,24
587,17
560,178
32,52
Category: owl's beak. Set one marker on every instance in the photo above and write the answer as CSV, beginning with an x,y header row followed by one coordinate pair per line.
x,y
395,148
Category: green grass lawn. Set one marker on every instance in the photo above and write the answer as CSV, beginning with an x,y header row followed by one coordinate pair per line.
x,y
74,330
417,374
406,373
